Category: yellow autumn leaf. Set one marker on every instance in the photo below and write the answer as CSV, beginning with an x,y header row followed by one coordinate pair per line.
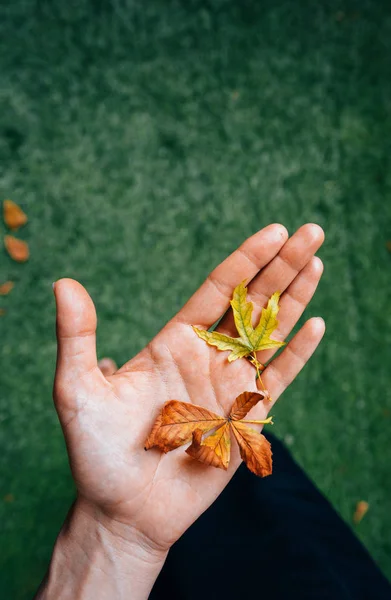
x,y
224,342
261,339
242,311
250,340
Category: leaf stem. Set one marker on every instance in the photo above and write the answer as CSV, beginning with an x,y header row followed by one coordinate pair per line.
x,y
267,421
256,363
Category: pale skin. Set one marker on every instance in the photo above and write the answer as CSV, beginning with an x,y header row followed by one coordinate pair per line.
x,y
132,505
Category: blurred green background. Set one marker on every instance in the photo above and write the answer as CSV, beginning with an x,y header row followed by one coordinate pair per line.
x,y
146,140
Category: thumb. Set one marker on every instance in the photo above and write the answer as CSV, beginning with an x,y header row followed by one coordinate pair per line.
x,y
76,330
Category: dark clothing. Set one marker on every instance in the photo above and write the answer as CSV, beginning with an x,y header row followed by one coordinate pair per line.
x,y
276,538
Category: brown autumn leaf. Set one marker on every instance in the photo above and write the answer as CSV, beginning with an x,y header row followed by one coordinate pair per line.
x,y
254,449
180,423
6,287
2,312
14,217
176,423
360,512
17,249
245,402
214,450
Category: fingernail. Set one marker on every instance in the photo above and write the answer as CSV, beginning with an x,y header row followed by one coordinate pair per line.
x,y
321,320
53,285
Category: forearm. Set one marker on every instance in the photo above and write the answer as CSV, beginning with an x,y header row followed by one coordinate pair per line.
x,y
95,557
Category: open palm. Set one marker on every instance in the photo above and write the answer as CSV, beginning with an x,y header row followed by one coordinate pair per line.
x,y
106,420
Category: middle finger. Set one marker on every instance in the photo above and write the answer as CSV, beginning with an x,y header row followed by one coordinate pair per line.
x,y
280,272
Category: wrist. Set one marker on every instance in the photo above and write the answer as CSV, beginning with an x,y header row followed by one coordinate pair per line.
x,y
97,556
123,537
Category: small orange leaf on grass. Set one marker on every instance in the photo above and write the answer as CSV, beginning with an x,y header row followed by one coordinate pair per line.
x,y
14,217
17,249
181,422
2,312
388,245
6,287
360,512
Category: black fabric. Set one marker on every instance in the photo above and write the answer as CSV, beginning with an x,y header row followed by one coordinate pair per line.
x,y
276,538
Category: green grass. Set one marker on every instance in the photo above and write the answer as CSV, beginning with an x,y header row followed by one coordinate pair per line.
x,y
146,140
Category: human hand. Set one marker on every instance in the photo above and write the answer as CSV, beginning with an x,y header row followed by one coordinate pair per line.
x,y
151,498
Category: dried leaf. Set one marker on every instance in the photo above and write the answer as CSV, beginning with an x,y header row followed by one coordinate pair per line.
x,y
6,287
214,450
17,249
360,512
388,245
254,449
14,217
2,312
261,339
153,439
177,422
180,422
224,342
243,403
250,340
